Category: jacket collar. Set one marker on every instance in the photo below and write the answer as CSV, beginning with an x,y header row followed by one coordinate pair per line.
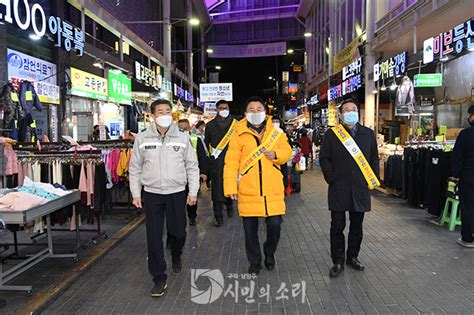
x,y
173,131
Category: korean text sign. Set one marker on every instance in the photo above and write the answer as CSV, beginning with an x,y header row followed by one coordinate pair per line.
x,y
67,36
451,43
88,85
41,73
392,67
120,88
352,80
213,92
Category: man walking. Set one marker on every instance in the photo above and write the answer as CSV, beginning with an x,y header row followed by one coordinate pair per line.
x,y
463,170
350,163
217,136
163,162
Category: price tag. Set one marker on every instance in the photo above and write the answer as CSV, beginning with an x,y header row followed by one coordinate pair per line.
x,y
439,138
14,96
397,140
102,133
442,129
29,95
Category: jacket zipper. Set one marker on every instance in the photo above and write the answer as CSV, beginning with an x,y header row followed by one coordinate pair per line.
x,y
261,179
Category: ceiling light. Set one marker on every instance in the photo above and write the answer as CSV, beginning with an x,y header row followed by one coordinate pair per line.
x,y
218,67
383,87
209,50
98,64
374,91
308,34
34,37
194,22
393,86
446,58
270,78
290,51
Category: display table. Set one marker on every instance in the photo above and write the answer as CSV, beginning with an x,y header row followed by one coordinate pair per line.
x,y
27,216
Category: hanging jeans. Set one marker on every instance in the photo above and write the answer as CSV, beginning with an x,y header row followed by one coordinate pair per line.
x,y
159,208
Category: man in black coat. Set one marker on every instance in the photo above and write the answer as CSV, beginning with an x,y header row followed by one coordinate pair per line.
x,y
216,129
348,189
463,170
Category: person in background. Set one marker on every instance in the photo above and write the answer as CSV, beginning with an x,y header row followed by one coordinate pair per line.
x,y
95,136
217,136
296,174
278,123
306,145
348,187
203,161
463,171
163,162
256,180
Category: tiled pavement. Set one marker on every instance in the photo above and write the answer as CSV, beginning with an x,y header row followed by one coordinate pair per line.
x,y
412,267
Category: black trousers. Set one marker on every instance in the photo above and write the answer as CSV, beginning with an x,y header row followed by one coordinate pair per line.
x,y
157,208
252,244
467,213
219,208
192,210
338,243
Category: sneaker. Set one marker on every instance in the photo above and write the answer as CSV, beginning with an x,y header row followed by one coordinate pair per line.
x,y
177,268
465,244
218,223
159,289
192,222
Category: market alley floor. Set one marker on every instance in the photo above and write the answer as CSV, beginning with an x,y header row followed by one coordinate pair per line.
x,y
412,266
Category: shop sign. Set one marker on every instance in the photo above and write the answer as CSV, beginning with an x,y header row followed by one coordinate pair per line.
x,y
248,51
146,75
428,80
314,99
26,16
120,88
297,69
54,123
293,88
392,67
183,94
286,76
210,109
213,92
333,117
352,80
451,43
88,85
41,73
166,86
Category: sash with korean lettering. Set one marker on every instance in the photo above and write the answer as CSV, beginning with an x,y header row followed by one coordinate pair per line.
x,y
258,153
215,152
354,150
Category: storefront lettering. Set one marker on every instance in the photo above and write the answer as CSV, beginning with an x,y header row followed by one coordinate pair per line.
x,y
147,75
392,67
35,15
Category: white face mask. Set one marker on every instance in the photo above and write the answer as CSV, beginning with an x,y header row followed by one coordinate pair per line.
x,y
164,121
255,118
224,113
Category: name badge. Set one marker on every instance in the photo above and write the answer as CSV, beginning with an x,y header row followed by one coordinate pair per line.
x,y
150,147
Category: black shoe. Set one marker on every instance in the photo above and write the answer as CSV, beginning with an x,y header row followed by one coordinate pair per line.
x,y
336,270
192,222
218,223
255,269
354,263
270,262
230,213
159,289
177,267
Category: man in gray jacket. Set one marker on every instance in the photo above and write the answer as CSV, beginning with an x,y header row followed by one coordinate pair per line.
x,y
164,162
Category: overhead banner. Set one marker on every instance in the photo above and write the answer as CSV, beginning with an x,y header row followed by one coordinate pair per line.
x,y
210,109
41,73
346,56
213,92
88,85
428,80
392,67
248,51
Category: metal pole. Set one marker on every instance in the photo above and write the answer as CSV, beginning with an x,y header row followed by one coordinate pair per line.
x,y
167,37
189,45
370,61
203,50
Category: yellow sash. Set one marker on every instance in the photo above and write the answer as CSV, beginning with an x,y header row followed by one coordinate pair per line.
x,y
215,152
257,154
352,147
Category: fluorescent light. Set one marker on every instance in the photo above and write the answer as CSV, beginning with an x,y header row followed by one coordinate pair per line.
x,y
444,58
218,67
116,71
209,50
383,87
290,51
308,34
374,91
34,37
194,22
98,64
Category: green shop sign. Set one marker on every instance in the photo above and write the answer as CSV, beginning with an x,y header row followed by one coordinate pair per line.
x,y
120,88
428,80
